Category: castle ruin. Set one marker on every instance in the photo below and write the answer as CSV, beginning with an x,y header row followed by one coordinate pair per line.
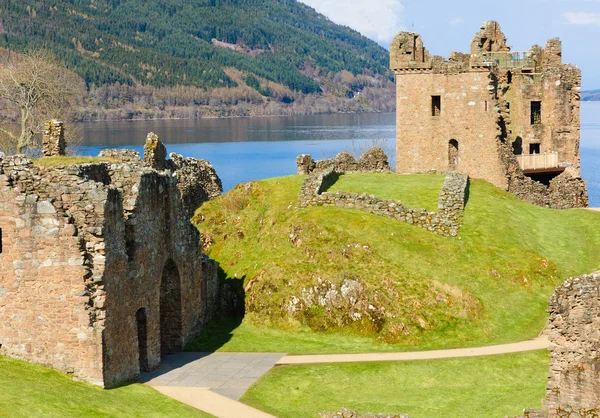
x,y
101,270
511,118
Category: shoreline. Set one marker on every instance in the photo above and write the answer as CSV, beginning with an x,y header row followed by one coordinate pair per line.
x,y
234,117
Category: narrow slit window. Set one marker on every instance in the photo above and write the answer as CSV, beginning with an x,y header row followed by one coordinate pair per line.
x,y
534,148
436,105
0,240
486,106
536,113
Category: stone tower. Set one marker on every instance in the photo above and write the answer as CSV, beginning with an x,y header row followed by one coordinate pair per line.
x,y
509,117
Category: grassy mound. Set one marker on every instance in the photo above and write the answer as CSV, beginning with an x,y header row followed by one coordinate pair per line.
x,y
494,386
33,391
335,275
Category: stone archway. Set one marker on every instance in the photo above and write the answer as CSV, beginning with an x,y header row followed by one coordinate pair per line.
x,y
142,332
452,154
171,339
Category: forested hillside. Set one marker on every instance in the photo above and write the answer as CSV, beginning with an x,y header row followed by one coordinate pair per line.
x,y
140,54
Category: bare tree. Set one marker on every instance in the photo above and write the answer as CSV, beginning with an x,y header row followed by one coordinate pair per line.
x,y
39,88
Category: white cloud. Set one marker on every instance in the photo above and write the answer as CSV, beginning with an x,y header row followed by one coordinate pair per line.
x,y
379,20
582,18
457,21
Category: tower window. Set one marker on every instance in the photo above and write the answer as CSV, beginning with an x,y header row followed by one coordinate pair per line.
x,y
536,113
436,105
534,148
0,240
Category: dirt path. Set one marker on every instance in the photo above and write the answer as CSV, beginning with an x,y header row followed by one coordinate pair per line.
x,y
538,343
245,368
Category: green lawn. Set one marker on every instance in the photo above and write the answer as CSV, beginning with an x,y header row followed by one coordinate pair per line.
x,y
494,386
488,286
28,390
415,191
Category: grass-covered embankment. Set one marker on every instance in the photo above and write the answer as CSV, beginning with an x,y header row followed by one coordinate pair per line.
x,y
494,386
488,286
28,390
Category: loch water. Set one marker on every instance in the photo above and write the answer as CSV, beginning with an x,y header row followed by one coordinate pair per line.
x,y
246,149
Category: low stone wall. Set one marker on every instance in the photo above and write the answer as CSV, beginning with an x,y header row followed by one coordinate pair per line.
x,y
347,413
446,221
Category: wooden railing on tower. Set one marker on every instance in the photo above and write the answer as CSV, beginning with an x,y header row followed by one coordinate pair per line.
x,y
538,161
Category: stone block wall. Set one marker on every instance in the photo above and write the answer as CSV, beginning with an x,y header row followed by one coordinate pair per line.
x,y
574,378
446,221
53,139
51,267
92,254
474,112
573,388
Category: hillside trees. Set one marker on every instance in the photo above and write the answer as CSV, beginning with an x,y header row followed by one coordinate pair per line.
x,y
38,88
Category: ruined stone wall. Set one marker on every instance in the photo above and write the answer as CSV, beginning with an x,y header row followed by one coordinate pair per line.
x,y
446,221
468,116
52,298
573,388
374,160
84,248
574,379
557,87
154,234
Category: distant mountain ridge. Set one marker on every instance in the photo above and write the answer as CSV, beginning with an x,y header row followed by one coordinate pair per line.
x,y
197,43
590,95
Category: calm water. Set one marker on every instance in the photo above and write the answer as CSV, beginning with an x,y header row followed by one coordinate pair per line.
x,y
246,149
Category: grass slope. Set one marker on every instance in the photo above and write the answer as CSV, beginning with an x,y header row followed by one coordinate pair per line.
x,y
489,286
29,390
476,387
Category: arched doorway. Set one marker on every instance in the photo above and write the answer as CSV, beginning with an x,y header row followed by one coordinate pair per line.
x,y
142,332
170,310
452,154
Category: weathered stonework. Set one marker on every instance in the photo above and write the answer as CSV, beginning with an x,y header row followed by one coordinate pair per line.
x,y
53,140
347,413
101,269
573,388
511,118
446,221
373,160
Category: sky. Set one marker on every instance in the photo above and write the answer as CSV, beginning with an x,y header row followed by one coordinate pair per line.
x,y
447,26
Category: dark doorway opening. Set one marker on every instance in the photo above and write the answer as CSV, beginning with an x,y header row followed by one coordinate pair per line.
x,y
142,331
452,154
171,339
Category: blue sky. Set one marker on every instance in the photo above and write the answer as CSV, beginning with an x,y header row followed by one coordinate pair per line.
x,y
450,25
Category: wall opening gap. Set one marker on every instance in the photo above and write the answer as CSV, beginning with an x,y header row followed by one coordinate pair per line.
x,y
534,148
536,113
436,105
142,329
